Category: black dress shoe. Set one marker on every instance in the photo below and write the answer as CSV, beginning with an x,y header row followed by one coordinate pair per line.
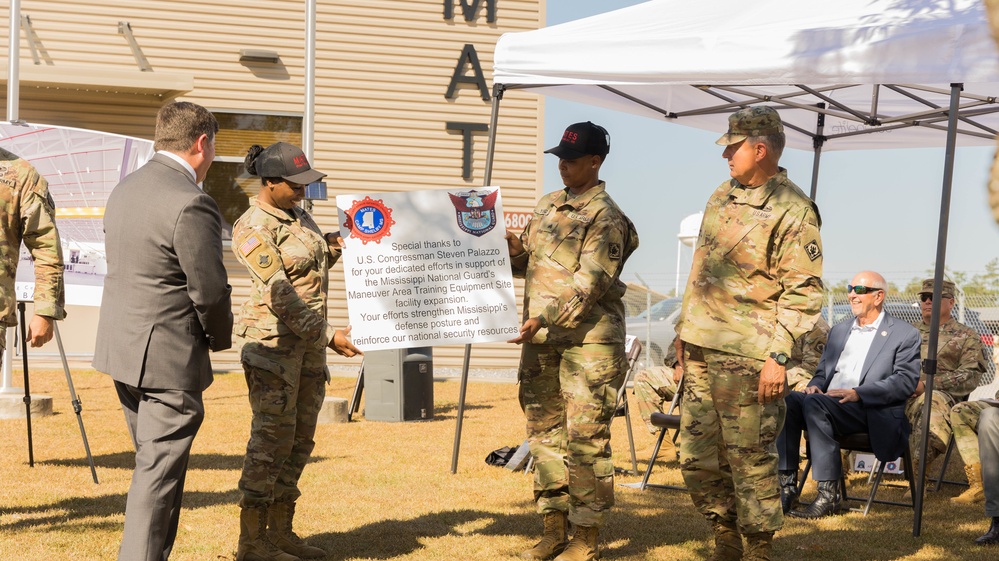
x,y
992,536
826,504
788,490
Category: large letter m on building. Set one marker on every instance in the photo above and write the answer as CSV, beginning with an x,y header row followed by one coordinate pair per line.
x,y
469,9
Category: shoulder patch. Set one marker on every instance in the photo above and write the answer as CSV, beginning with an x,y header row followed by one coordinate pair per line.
x,y
812,250
614,251
249,245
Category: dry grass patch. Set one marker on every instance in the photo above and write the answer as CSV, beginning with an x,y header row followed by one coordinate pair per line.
x,y
377,491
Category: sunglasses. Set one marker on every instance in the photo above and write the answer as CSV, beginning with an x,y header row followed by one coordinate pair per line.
x,y
860,290
928,296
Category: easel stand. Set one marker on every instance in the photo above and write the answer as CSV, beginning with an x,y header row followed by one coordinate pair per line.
x,y
77,405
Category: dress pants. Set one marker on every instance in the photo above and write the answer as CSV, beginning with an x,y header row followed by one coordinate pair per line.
x,y
824,418
988,448
163,424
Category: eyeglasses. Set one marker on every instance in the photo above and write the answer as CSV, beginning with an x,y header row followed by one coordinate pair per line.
x,y
928,297
861,290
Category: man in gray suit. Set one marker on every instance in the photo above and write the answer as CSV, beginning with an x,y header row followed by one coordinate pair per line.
x,y
166,303
868,370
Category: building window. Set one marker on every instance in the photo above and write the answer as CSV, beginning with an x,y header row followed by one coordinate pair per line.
x,y
227,181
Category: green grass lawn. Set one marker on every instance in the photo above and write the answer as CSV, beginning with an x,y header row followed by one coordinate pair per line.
x,y
384,490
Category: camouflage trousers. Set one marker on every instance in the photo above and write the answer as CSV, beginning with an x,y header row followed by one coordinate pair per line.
x,y
568,394
940,430
964,421
728,453
287,386
653,388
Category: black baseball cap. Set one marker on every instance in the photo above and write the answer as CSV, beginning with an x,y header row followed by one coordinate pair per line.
x,y
582,139
288,162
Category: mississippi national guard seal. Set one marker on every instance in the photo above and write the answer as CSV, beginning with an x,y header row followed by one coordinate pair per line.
x,y
474,211
369,220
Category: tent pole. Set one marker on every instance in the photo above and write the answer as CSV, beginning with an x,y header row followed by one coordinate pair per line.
x,y
13,62
930,363
487,179
817,141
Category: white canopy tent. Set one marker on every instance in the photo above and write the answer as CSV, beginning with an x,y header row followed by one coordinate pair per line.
x,y
860,74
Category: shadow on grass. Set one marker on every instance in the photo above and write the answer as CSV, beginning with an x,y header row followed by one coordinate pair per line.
x,y
389,539
67,513
126,460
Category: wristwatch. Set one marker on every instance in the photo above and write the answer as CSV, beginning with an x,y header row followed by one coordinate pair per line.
x,y
542,321
780,358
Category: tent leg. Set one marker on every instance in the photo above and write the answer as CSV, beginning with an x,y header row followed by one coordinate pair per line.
x,y
817,141
930,363
488,177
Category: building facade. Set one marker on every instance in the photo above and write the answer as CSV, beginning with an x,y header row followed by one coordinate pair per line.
x,y
402,100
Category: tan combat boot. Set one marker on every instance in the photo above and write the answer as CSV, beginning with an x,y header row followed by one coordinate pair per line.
x,y
253,542
975,493
728,542
583,546
758,546
279,530
554,539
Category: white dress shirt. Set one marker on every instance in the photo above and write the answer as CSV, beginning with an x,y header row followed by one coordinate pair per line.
x,y
850,365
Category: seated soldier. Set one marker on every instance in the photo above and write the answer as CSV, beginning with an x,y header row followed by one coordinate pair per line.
x,y
988,442
960,365
965,419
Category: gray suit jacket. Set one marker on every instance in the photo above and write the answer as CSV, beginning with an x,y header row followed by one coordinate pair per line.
x,y
166,294
889,376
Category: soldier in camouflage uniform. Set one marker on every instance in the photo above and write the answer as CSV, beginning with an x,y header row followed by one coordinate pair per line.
x,y
964,419
655,386
29,216
960,365
572,364
755,288
284,336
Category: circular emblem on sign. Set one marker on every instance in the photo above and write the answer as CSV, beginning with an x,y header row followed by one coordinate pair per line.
x,y
369,220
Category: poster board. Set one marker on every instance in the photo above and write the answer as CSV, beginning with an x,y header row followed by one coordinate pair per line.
x,y
427,268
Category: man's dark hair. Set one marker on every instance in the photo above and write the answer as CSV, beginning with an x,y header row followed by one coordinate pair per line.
x,y
178,126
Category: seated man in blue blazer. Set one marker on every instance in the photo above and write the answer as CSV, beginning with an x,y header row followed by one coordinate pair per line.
x,y
869,368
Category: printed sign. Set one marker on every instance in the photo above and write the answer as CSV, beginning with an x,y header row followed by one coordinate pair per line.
x,y
426,268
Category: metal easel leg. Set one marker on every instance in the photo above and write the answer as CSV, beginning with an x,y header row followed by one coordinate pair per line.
x,y
77,404
27,389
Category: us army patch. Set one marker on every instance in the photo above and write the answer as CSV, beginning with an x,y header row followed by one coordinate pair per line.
x,y
813,251
614,251
264,260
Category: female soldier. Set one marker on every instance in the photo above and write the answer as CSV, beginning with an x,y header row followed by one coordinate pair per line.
x,y
284,333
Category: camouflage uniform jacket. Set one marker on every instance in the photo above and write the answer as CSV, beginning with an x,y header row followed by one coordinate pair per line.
x,y
960,358
574,250
755,283
29,216
806,353
289,261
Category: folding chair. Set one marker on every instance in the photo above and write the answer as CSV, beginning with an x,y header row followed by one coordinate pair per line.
x,y
665,421
633,351
861,442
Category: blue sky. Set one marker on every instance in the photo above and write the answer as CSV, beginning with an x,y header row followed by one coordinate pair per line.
x,y
880,209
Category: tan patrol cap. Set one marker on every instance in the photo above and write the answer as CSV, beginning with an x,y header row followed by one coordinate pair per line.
x,y
947,290
751,121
